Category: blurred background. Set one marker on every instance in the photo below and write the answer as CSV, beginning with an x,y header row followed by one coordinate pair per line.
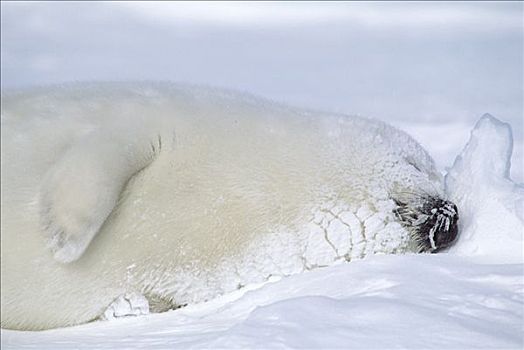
x,y
430,68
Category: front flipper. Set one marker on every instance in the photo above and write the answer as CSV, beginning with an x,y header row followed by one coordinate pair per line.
x,y
83,187
129,304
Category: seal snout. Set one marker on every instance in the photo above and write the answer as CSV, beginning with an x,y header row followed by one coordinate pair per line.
x,y
444,228
433,222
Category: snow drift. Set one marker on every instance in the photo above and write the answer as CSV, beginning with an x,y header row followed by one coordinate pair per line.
x,y
491,204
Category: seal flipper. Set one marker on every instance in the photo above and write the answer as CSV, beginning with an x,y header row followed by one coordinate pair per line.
x,y
83,187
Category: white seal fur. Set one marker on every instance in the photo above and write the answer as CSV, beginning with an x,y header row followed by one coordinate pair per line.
x,y
181,193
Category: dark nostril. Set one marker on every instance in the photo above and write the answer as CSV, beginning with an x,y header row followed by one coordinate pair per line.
x,y
446,238
433,221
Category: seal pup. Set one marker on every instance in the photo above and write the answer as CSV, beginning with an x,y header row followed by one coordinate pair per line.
x,y
175,194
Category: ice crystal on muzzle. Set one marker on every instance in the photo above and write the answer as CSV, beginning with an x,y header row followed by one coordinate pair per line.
x,y
432,222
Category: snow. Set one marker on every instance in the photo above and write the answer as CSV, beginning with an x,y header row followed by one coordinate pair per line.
x,y
492,204
470,297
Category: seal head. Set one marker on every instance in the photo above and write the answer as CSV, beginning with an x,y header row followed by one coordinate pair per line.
x,y
432,221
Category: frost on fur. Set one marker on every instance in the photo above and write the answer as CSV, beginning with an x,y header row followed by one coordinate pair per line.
x,y
81,190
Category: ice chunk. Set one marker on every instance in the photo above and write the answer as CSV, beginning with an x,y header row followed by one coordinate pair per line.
x,y
490,203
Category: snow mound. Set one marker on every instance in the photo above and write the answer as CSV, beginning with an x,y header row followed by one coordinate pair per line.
x,y
490,203
388,302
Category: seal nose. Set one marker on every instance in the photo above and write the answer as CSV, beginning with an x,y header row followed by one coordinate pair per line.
x,y
444,230
432,221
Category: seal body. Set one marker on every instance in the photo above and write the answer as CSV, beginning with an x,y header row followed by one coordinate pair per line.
x,y
181,193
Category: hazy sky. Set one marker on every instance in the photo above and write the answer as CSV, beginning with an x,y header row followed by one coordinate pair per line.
x,y
353,57
392,60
